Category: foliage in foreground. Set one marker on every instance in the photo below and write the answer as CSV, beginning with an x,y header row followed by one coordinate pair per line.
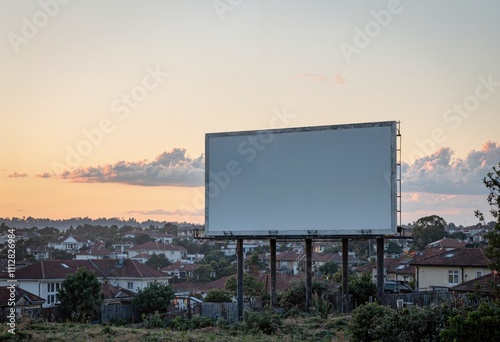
x,y
456,321
81,296
154,297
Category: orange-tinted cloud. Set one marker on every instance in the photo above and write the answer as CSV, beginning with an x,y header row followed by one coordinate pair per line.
x,y
172,168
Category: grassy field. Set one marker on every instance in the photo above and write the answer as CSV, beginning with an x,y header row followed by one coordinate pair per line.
x,y
311,328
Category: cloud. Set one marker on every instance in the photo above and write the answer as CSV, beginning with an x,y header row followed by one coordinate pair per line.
x,y
17,175
44,175
440,173
337,79
172,168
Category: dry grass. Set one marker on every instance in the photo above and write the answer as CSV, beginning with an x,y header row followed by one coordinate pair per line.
x,y
292,329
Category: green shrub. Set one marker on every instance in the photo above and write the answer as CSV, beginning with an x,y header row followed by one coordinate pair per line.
x,y
267,321
371,322
153,321
481,324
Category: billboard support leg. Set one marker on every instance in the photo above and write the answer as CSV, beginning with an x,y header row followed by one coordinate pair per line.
x,y
345,274
308,273
272,247
239,252
380,269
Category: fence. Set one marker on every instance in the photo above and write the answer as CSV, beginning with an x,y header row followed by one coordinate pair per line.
x,y
115,312
228,311
416,299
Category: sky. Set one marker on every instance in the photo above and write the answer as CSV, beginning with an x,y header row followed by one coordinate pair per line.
x,y
104,105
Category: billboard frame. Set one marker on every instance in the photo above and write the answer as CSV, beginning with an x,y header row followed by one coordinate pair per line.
x,y
394,181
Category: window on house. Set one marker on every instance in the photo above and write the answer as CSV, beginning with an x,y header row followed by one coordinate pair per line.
x,y
52,295
453,277
479,273
130,285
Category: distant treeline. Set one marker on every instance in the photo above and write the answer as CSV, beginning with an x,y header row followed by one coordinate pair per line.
x,y
30,222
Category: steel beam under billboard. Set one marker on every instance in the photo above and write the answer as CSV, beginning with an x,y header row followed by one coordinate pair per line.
x,y
323,181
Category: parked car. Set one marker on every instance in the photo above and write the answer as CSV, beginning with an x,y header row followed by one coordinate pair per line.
x,y
396,287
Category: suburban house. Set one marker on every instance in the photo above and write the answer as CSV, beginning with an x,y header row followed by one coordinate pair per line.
x,y
485,285
71,244
230,249
395,269
189,231
295,263
173,253
123,246
450,268
117,303
94,253
288,262
40,253
163,238
180,270
44,278
26,303
447,244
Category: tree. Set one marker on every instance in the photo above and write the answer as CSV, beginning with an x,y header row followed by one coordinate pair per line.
x,y
295,294
394,248
154,297
254,264
251,286
362,287
329,268
218,296
203,274
80,296
492,182
428,229
60,254
142,238
158,261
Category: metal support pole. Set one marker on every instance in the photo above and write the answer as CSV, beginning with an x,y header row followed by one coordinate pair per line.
x,y
380,269
272,269
308,273
345,274
239,252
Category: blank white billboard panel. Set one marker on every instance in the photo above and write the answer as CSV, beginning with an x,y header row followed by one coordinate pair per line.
x,y
312,181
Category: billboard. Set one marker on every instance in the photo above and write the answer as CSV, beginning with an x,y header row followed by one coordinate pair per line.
x,y
326,181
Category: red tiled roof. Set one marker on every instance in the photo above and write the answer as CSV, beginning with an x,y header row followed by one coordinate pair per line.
x,y
448,243
56,269
180,266
5,295
157,246
216,284
96,252
484,284
283,281
111,291
457,257
288,256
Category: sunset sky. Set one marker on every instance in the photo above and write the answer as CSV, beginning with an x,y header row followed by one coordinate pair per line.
x,y
104,105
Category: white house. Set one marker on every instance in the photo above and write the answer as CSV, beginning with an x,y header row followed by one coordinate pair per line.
x,y
450,268
173,253
71,244
40,253
44,278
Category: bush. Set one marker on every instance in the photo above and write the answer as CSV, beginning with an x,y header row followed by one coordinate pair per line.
x,y
267,321
153,321
371,322
478,325
197,322
218,296
295,295
154,297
